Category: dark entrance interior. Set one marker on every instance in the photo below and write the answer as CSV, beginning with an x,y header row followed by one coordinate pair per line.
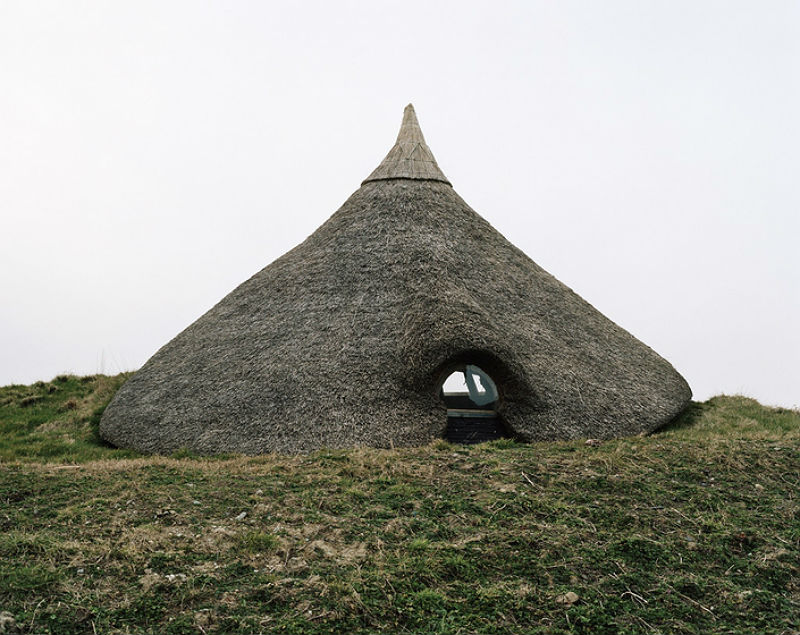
x,y
471,398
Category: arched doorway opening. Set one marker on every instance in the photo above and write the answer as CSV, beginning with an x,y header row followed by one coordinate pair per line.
x,y
471,398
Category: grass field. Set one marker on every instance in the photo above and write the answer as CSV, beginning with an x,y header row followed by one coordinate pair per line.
x,y
692,530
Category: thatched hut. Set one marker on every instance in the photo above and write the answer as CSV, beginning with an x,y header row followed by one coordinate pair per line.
x,y
347,339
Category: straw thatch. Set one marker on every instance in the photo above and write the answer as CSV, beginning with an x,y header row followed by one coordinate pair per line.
x,y
345,340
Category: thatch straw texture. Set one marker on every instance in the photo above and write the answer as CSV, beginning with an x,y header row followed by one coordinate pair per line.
x,y
344,341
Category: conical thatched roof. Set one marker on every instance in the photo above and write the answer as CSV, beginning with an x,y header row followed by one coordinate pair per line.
x,y
345,340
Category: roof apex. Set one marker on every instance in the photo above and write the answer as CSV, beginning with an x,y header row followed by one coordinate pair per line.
x,y
410,157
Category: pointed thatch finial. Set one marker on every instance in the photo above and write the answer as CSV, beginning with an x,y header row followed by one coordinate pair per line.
x,y
410,158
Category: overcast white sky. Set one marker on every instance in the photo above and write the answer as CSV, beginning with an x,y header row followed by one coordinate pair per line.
x,y
153,155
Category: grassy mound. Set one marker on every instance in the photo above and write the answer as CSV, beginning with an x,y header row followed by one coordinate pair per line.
x,y
691,530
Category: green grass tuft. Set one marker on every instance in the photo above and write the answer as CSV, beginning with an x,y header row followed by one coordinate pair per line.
x,y
57,421
257,541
